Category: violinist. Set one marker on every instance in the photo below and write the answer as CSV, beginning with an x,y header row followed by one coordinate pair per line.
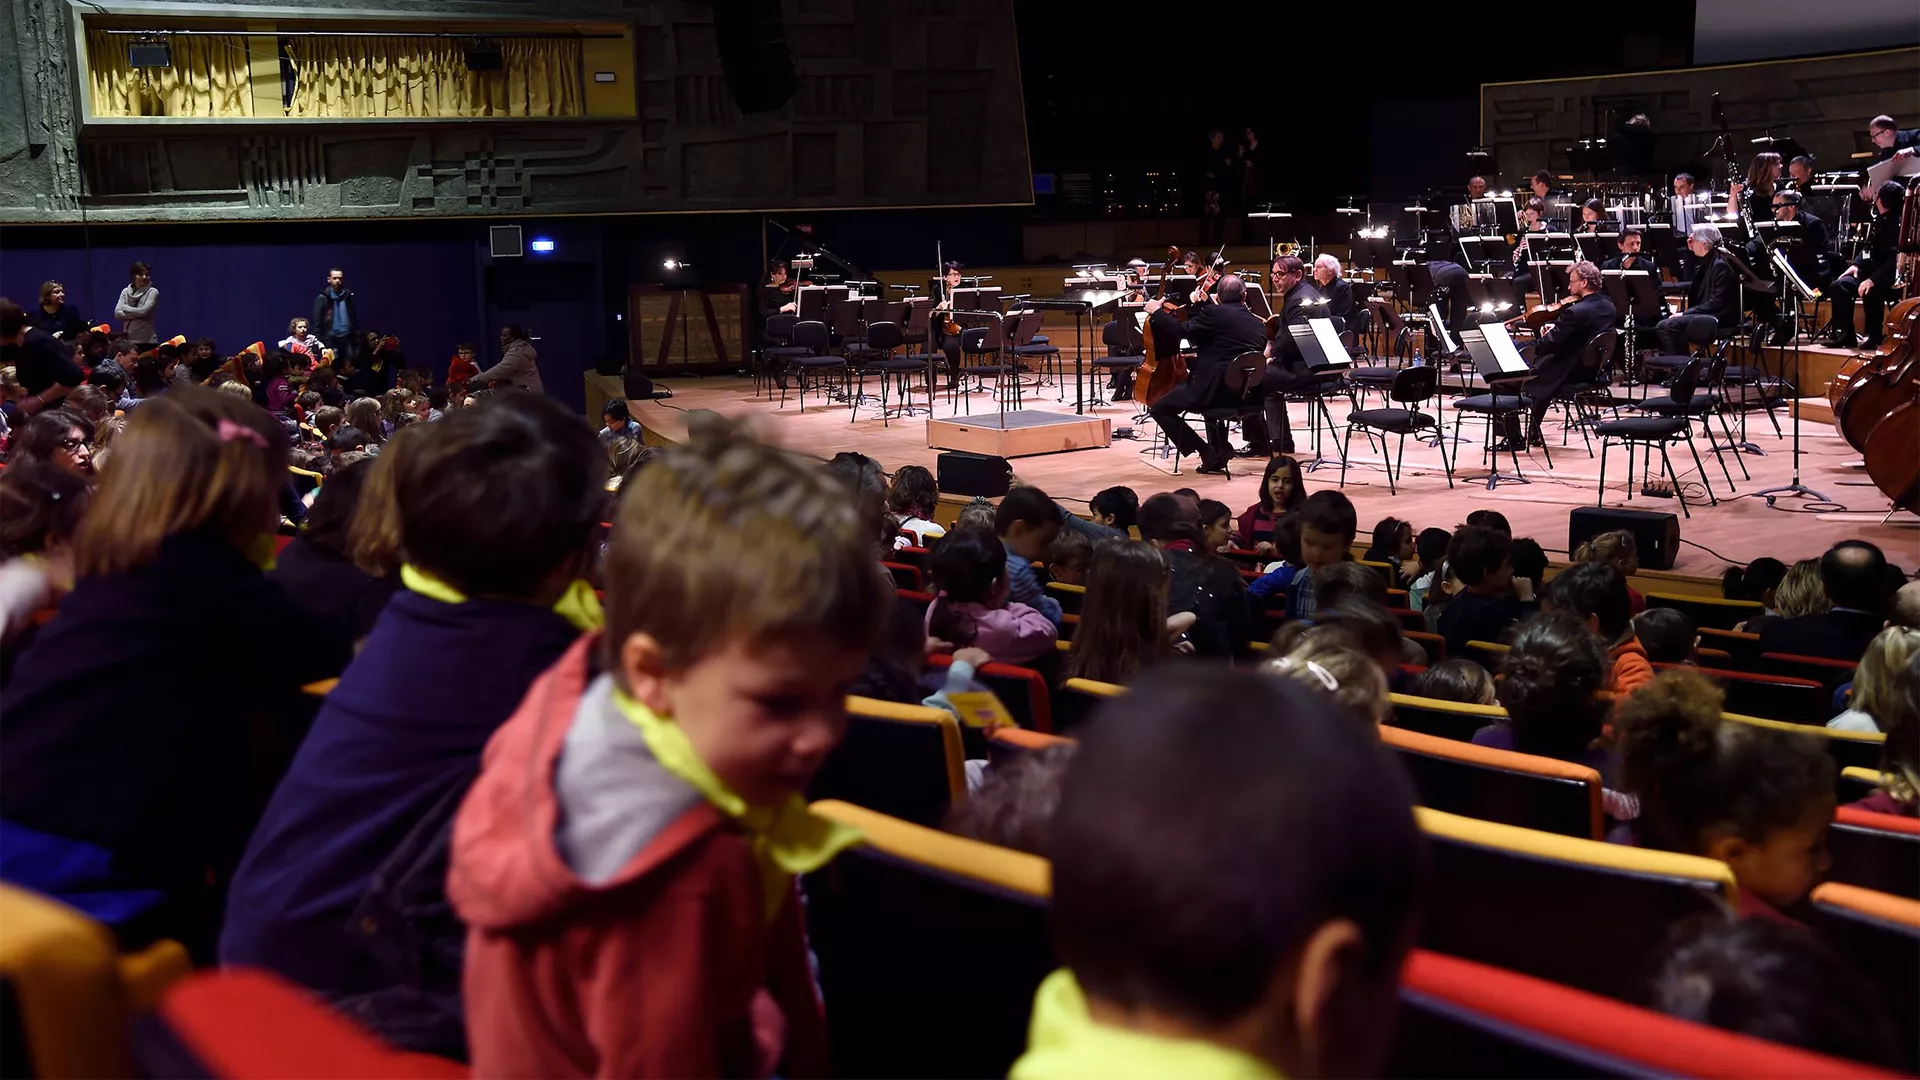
x,y
1556,356
943,331
1299,298
775,296
1871,276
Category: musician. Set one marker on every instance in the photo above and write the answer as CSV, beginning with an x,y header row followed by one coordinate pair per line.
x,y
1300,299
1803,255
1593,215
1753,197
1532,220
1556,356
1336,289
776,295
1713,296
1453,277
1220,332
1890,139
1630,257
1466,216
1870,278
1799,173
1686,206
948,344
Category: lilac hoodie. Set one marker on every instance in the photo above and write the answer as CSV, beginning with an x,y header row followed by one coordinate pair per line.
x,y
1015,634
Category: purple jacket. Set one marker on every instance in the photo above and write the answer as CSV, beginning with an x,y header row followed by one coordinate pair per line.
x,y
1015,634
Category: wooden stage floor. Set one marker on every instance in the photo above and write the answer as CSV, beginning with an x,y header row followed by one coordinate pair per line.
x,y
1740,529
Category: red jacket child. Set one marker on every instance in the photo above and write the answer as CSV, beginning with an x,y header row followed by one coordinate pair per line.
x,y
617,925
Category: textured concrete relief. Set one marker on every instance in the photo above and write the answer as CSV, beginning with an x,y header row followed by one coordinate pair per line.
x,y
899,103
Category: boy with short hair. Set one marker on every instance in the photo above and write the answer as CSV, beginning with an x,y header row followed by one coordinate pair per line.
x,y
625,862
1328,525
1493,599
618,421
1231,898
1026,522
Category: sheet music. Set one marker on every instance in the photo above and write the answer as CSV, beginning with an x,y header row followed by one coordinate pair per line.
x,y
1890,168
1329,339
1438,326
1504,352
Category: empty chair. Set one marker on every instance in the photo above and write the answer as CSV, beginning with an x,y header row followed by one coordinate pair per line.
x,y
1434,644
879,357
1460,1018
1500,785
1071,597
1655,432
1771,697
1708,612
1880,934
983,340
1411,388
1831,674
1876,851
1075,700
1007,744
1455,720
1578,912
808,359
1126,351
904,576
1848,748
902,760
1488,654
929,948
1743,647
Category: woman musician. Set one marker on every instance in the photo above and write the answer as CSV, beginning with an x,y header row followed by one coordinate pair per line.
x,y
1752,199
942,330
776,296
1593,216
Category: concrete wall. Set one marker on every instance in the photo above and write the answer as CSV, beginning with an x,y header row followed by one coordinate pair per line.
x,y
907,103
1824,102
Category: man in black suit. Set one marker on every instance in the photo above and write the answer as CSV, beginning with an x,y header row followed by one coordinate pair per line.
x,y
1803,254
1855,575
1713,297
1286,369
1220,331
1870,278
1556,356
1889,139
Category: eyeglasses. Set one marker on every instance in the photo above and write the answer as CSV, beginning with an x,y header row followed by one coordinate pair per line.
x,y
74,442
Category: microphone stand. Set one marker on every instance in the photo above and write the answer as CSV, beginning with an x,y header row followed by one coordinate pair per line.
x,y
1794,488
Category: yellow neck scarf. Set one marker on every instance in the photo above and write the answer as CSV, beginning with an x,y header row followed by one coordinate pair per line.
x,y
1065,1042
787,839
578,605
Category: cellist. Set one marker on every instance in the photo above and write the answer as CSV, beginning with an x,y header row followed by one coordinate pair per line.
x,y
1220,332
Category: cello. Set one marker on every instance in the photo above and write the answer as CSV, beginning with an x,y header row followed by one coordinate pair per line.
x,y
1158,374
1888,379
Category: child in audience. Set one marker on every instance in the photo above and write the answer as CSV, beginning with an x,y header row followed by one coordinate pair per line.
x,y
912,499
1344,580
1756,583
1116,509
41,508
1530,561
1068,558
1775,982
317,570
1174,961
617,422
273,371
1667,635
347,439
1875,681
972,606
1216,527
1393,545
1491,519
1333,661
1378,632
1899,791
127,788
89,402
978,512
1619,550
1210,589
327,420
1431,548
1758,800
1327,528
55,437
1016,801
463,366
492,581
625,862
364,413
1282,491
1124,626
1456,680
1596,592
1026,522
1550,684
1491,599
1279,575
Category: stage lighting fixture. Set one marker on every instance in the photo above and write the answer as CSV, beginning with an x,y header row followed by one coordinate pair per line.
x,y
541,245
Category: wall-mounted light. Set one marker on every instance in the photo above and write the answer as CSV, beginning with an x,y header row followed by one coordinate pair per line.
x,y
542,245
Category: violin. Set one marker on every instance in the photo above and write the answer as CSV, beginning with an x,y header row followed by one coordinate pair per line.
x,y
1542,315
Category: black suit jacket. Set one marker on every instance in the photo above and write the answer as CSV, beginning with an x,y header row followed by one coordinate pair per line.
x,y
1293,312
1339,296
1883,247
1902,139
1715,290
1836,635
1556,357
1805,256
1220,332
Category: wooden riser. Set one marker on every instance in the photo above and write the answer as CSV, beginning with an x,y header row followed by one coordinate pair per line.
x,y
1025,432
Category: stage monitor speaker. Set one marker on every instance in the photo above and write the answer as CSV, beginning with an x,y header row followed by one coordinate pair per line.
x,y
752,37
1656,536
639,387
505,242
961,473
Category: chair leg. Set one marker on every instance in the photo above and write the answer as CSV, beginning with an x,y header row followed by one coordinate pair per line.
x,y
1441,430
1399,460
1600,493
1667,462
1343,455
1698,464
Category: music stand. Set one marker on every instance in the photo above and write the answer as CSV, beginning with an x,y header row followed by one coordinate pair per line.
x,y
1498,361
1598,247
1437,327
1257,300
812,306
1789,389
1324,353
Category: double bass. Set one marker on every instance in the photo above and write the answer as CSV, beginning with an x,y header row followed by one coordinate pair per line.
x,y
1159,374
1879,413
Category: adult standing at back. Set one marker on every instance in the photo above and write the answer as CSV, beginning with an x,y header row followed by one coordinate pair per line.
x,y
518,367
138,299
336,316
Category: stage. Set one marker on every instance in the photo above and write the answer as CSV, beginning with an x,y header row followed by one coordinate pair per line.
x,y
1740,529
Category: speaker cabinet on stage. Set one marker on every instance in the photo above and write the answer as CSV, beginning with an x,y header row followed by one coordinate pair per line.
x,y
1656,536
961,473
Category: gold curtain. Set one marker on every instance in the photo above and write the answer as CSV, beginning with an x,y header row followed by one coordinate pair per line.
x,y
210,76
428,77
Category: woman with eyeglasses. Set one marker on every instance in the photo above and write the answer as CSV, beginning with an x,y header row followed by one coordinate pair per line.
x,y
60,438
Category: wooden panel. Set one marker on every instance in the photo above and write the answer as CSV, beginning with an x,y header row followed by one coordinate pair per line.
x,y
673,328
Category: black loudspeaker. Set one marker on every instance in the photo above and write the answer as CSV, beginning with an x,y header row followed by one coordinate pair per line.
x,y
1656,536
752,37
639,387
505,242
961,473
